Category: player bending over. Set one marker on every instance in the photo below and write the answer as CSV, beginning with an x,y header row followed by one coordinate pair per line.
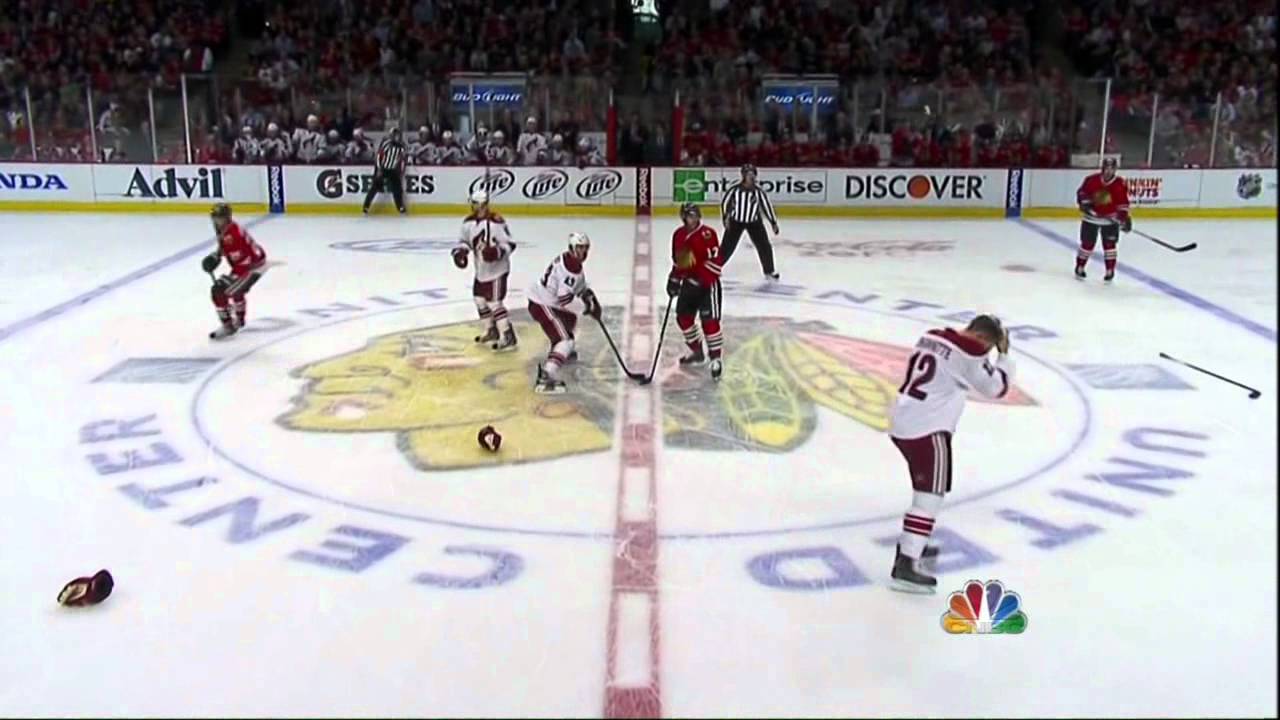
x,y
486,236
1104,200
695,283
549,301
247,260
945,365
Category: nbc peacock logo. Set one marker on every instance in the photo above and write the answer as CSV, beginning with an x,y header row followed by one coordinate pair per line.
x,y
984,609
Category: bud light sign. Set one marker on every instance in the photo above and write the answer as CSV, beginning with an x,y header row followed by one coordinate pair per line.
x,y
801,98
506,96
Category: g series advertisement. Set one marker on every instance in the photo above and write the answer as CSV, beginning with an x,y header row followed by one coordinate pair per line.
x,y
347,185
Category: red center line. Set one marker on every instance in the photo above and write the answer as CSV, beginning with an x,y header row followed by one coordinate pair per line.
x,y
632,687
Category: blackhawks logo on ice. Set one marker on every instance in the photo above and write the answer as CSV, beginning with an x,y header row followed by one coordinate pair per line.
x,y
433,387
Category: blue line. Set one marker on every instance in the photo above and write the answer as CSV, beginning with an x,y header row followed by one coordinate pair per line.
x,y
1172,291
44,316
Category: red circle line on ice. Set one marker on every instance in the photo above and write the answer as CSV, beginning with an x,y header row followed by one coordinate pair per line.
x,y
201,428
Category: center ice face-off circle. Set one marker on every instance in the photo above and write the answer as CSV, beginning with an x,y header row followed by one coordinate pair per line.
x,y
381,414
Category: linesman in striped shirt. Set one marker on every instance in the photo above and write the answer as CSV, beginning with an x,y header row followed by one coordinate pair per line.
x,y
388,172
741,209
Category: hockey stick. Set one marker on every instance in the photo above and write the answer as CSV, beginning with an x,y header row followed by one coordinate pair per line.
x,y
1254,394
639,377
662,334
1161,243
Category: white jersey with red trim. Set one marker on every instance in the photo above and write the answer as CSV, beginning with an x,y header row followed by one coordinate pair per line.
x,y
943,367
563,280
480,233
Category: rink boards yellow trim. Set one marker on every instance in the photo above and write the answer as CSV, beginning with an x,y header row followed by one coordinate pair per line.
x,y
126,207
627,211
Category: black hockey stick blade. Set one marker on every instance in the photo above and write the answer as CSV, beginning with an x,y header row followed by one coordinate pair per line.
x,y
1161,243
1254,393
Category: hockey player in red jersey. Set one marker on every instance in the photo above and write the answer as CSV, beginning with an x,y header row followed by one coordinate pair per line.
x,y
1104,200
695,283
247,260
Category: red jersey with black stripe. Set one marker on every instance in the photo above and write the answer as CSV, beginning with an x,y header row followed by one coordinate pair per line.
x,y
240,249
696,254
1103,201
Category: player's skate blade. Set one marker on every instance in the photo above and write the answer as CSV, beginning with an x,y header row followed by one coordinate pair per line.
x,y
490,336
693,359
1109,277
907,579
550,387
223,332
1080,275
507,344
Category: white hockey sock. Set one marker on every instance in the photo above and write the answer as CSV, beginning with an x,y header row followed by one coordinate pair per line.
x,y
917,523
500,316
485,313
558,356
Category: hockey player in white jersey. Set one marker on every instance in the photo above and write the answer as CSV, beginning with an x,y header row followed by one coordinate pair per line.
x,y
556,153
477,147
588,153
486,239
945,365
275,147
332,149
422,148
550,299
247,149
308,140
359,151
531,144
449,151
497,152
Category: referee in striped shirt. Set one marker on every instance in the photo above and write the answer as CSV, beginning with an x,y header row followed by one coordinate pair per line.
x,y
389,172
740,209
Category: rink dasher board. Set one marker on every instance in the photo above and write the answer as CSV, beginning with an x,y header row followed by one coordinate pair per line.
x,y
983,193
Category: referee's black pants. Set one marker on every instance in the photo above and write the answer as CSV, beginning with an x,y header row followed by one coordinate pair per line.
x,y
759,238
384,180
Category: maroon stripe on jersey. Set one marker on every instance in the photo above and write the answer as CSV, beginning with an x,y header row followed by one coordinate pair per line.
x,y
1004,383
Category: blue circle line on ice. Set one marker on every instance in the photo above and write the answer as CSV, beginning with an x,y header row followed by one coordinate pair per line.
x,y
1077,442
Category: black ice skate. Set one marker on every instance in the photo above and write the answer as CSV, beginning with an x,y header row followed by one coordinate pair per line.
x,y
547,385
225,331
695,358
1111,275
907,579
507,343
573,357
717,368
771,277
402,210
490,335
1080,273
930,552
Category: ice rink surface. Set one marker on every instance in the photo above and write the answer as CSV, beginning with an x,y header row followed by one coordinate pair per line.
x,y
300,522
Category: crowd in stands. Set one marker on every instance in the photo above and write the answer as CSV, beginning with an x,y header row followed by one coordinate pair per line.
x,y
1175,58
55,49
923,82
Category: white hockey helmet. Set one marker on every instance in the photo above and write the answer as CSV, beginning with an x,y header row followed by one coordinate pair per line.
x,y
482,131
447,136
358,133
479,198
424,132
246,130
579,245
557,139
498,136
531,121
273,128
312,120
